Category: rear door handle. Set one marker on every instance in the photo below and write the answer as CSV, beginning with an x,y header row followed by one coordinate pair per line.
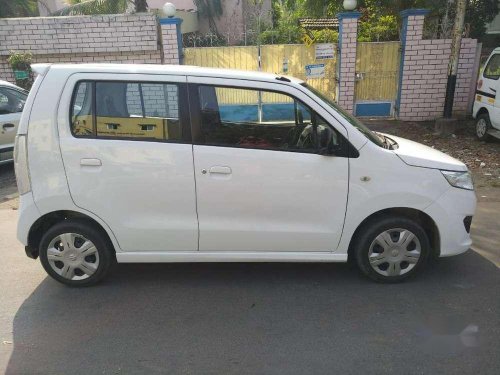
x,y
90,162
8,126
219,170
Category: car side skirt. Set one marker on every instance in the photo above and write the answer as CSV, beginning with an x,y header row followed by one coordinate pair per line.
x,y
225,256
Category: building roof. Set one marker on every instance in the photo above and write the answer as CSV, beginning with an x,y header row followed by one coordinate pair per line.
x,y
319,23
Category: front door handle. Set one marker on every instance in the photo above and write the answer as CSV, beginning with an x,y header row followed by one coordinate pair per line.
x,y
90,162
8,126
219,170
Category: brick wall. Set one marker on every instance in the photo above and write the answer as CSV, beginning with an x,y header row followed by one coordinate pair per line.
x,y
170,47
423,84
105,38
347,68
160,100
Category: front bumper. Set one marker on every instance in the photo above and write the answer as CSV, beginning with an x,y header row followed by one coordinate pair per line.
x,y
449,212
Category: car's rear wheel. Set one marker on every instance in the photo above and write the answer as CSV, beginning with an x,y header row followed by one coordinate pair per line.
x,y
75,253
391,249
483,125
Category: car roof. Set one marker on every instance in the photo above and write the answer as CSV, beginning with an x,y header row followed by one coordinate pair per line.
x,y
8,84
166,69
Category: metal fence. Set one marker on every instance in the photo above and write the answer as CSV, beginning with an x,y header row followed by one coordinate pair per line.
x,y
288,59
377,68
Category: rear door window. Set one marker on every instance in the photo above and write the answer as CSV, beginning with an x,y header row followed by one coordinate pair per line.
x,y
128,110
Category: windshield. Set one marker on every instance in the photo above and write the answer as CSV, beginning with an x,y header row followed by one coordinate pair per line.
x,y
350,118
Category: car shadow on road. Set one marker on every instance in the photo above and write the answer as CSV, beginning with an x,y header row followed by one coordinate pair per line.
x,y
263,318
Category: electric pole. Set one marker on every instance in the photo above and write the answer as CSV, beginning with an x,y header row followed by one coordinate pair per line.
x,y
456,41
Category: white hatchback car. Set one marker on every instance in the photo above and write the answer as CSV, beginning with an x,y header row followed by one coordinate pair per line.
x,y
12,99
145,163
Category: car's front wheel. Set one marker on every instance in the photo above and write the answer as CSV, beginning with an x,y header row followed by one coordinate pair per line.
x,y
75,253
483,125
391,249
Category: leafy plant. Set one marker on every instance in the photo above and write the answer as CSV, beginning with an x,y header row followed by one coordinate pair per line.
x,y
87,7
18,8
22,62
380,19
210,9
81,7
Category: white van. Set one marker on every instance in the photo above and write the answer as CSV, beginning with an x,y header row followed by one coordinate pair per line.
x,y
145,163
486,108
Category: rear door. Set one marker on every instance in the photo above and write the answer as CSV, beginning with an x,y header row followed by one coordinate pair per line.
x,y
261,183
11,106
126,146
489,87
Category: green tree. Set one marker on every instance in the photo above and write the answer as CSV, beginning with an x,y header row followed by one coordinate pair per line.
x,y
380,19
102,6
285,28
18,8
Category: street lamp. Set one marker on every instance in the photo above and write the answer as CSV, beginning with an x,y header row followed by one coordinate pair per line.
x,y
350,4
169,10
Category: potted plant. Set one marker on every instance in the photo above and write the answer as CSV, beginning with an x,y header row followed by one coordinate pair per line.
x,y
20,63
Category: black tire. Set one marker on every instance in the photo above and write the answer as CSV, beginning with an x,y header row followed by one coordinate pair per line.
x,y
88,231
374,228
479,131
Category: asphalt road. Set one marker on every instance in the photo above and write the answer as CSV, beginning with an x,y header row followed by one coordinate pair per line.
x,y
253,318
247,319
8,187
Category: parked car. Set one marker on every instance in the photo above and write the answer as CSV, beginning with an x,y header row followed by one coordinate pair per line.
x,y
486,108
12,99
145,163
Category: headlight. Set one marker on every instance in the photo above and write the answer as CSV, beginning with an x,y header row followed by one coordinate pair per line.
x,y
462,180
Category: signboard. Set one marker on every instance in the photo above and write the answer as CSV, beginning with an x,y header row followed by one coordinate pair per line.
x,y
308,41
21,74
315,71
325,51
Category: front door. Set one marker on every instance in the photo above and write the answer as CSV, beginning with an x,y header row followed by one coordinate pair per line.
x,y
261,183
126,146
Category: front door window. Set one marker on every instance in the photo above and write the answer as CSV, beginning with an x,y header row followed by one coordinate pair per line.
x,y
250,118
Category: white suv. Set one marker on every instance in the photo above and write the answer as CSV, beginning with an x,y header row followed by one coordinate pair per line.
x,y
145,163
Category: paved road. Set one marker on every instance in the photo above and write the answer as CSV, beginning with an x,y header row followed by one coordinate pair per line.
x,y
8,185
253,318
248,319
